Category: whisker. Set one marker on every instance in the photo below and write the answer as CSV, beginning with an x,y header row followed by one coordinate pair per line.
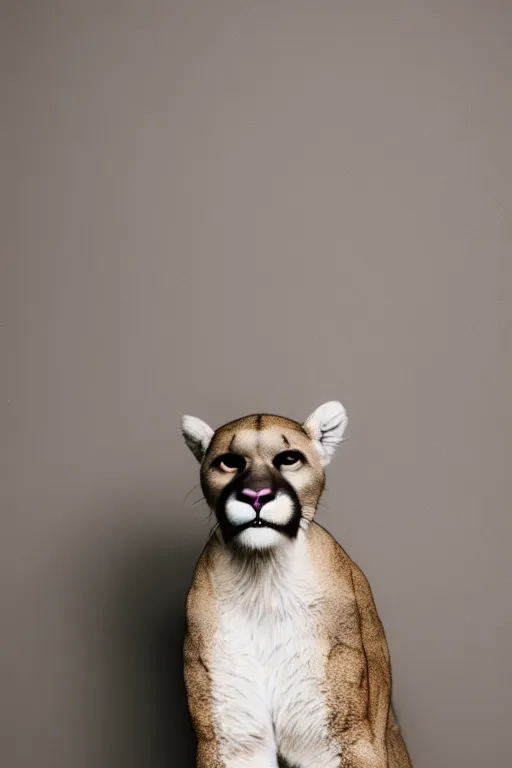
x,y
191,491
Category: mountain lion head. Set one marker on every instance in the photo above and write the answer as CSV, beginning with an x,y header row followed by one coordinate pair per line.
x,y
263,475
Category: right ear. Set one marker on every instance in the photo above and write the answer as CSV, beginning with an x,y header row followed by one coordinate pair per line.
x,y
197,435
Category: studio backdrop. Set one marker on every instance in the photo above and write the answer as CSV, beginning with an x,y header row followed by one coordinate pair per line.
x,y
226,207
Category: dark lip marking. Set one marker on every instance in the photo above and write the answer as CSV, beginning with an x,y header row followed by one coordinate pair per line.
x,y
230,531
259,522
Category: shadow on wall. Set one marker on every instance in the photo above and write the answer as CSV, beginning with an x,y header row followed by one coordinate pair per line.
x,y
138,592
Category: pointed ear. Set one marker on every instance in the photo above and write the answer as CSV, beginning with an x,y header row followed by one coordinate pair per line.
x,y
197,435
325,427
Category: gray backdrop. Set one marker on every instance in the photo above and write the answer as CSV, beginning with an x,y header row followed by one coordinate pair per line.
x,y
225,207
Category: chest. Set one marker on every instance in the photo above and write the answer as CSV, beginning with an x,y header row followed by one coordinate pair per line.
x,y
268,645
270,631
268,665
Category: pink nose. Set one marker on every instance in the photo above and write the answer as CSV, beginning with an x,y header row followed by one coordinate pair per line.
x,y
258,498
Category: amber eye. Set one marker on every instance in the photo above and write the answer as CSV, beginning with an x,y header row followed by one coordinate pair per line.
x,y
230,462
289,459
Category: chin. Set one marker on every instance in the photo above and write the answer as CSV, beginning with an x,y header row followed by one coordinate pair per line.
x,y
260,539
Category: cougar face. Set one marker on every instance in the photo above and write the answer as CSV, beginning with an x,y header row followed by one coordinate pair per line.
x,y
263,475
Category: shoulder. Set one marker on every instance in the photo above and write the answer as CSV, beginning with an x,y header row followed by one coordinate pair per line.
x,y
327,553
336,569
327,550
333,569
200,598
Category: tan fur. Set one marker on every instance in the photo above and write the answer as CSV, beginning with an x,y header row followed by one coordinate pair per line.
x,y
199,637
357,673
262,436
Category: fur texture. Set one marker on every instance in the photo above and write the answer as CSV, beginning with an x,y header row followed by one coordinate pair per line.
x,y
286,661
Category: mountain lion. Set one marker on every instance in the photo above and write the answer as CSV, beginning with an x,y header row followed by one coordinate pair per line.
x,y
285,658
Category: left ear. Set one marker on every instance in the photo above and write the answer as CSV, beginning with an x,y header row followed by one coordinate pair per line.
x,y
325,427
197,435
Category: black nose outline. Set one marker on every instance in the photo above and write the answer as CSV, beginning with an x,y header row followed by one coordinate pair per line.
x,y
247,479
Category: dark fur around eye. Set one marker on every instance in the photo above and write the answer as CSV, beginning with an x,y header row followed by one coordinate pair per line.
x,y
231,461
288,458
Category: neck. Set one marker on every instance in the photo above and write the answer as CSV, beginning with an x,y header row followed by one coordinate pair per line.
x,y
253,563
266,585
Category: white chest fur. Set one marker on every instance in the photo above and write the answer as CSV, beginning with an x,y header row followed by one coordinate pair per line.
x,y
267,664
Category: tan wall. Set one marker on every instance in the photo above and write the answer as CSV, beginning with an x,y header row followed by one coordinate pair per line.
x,y
222,207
